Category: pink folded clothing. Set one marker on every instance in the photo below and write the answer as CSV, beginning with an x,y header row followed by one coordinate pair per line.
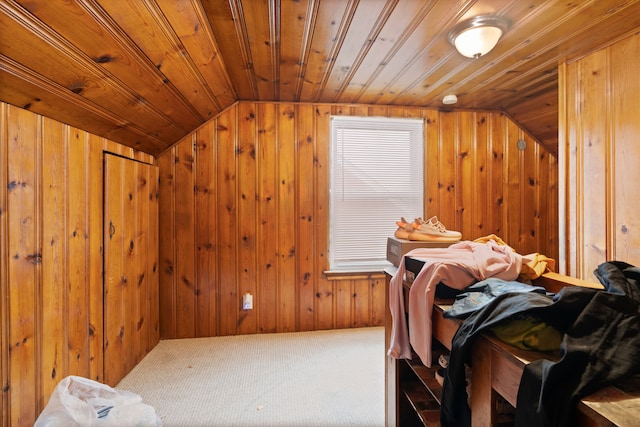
x,y
458,266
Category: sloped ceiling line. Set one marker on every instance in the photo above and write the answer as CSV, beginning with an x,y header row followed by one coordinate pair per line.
x,y
147,33
137,55
99,76
175,41
61,92
147,73
190,24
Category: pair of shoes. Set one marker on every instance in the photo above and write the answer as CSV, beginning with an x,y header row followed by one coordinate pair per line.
x,y
404,229
433,230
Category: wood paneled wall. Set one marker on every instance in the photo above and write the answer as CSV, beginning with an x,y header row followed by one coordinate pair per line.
x,y
51,217
131,306
600,156
244,209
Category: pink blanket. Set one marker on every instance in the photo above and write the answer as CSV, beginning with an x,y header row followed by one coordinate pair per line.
x,y
458,266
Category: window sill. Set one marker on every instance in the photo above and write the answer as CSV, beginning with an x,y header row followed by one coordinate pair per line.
x,y
354,274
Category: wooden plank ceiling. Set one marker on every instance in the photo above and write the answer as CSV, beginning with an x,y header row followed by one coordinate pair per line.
x,y
147,72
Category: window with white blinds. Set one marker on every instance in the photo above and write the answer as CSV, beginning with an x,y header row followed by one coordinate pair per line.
x,y
377,167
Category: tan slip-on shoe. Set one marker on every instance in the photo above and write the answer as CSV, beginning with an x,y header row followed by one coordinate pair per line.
x,y
404,229
433,230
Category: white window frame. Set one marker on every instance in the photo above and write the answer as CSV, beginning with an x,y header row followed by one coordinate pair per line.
x,y
376,176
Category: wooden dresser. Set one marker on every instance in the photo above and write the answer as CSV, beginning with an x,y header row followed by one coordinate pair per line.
x,y
413,394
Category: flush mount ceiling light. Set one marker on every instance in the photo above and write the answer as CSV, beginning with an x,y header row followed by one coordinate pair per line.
x,y
449,99
477,36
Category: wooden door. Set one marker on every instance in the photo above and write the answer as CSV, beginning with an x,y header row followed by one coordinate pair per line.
x,y
131,304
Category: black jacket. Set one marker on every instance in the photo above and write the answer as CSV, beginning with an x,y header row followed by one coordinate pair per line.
x,y
601,345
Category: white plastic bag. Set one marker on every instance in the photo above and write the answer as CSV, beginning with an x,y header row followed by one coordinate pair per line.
x,y
78,401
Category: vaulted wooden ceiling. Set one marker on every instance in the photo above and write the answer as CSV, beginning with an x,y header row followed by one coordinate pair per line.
x,y
147,72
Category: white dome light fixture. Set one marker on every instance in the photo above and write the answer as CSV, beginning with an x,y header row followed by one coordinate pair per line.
x,y
449,99
477,36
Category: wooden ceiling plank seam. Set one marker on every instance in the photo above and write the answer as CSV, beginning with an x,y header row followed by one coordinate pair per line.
x,y
177,44
322,39
630,28
11,67
528,46
343,29
544,70
406,33
541,98
305,49
296,18
423,86
493,76
538,85
274,34
122,37
442,85
377,27
245,49
356,42
100,44
453,15
55,41
205,25
540,69
521,82
397,99
459,87
222,27
156,95
527,114
258,23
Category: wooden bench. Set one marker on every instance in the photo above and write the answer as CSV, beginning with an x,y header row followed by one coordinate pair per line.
x,y
497,368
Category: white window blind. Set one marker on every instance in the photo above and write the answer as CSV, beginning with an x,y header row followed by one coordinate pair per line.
x,y
376,177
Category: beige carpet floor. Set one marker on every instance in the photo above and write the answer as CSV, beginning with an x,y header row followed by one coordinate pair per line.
x,y
320,378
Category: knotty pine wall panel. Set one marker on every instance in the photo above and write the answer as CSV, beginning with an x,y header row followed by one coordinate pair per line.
x,y
130,308
266,244
185,218
599,156
257,212
286,207
206,220
4,270
226,237
324,302
51,257
246,226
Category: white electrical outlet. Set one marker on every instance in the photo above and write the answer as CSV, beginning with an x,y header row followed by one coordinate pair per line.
x,y
247,301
